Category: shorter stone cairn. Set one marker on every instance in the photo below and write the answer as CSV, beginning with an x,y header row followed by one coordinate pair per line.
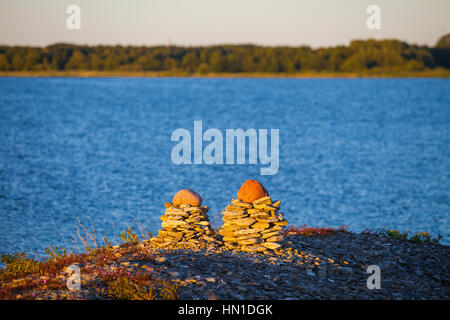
x,y
185,223
255,226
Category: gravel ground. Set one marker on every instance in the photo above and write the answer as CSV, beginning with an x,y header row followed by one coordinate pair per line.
x,y
328,267
332,267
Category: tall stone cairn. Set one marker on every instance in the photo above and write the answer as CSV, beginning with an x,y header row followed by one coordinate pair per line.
x,y
185,223
253,223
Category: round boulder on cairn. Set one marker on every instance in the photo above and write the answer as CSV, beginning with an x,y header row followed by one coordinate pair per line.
x,y
185,222
187,196
251,190
252,222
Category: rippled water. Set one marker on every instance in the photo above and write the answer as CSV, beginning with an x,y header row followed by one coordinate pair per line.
x,y
360,152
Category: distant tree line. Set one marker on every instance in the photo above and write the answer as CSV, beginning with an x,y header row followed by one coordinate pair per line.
x,y
391,55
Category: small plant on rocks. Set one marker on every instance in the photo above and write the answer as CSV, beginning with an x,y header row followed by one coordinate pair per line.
x,y
18,265
425,237
420,237
123,289
56,252
393,234
107,243
129,236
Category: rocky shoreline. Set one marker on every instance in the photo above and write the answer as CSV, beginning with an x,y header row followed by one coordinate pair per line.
x,y
250,257
332,266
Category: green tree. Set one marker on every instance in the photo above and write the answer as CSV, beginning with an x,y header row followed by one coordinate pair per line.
x,y
444,41
17,62
4,64
190,61
203,68
111,62
32,59
77,61
217,62
376,55
170,64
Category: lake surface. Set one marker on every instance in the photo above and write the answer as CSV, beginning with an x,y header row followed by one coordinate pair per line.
x,y
365,153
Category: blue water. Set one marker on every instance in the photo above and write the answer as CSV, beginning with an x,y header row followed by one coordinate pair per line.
x,y
365,153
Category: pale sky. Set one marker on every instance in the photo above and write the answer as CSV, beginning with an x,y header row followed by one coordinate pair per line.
x,y
315,23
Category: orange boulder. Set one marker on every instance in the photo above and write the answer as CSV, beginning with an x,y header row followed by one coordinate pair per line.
x,y
251,190
187,196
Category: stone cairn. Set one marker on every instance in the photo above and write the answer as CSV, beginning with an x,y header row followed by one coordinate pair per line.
x,y
252,222
185,222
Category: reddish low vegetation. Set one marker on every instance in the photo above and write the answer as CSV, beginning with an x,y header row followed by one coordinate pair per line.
x,y
26,278
313,231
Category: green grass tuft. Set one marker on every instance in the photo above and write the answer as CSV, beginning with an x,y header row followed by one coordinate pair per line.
x,y
420,237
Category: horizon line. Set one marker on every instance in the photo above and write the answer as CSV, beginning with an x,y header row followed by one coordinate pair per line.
x,y
216,44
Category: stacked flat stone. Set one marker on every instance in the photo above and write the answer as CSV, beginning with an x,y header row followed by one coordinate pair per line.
x,y
253,226
184,225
